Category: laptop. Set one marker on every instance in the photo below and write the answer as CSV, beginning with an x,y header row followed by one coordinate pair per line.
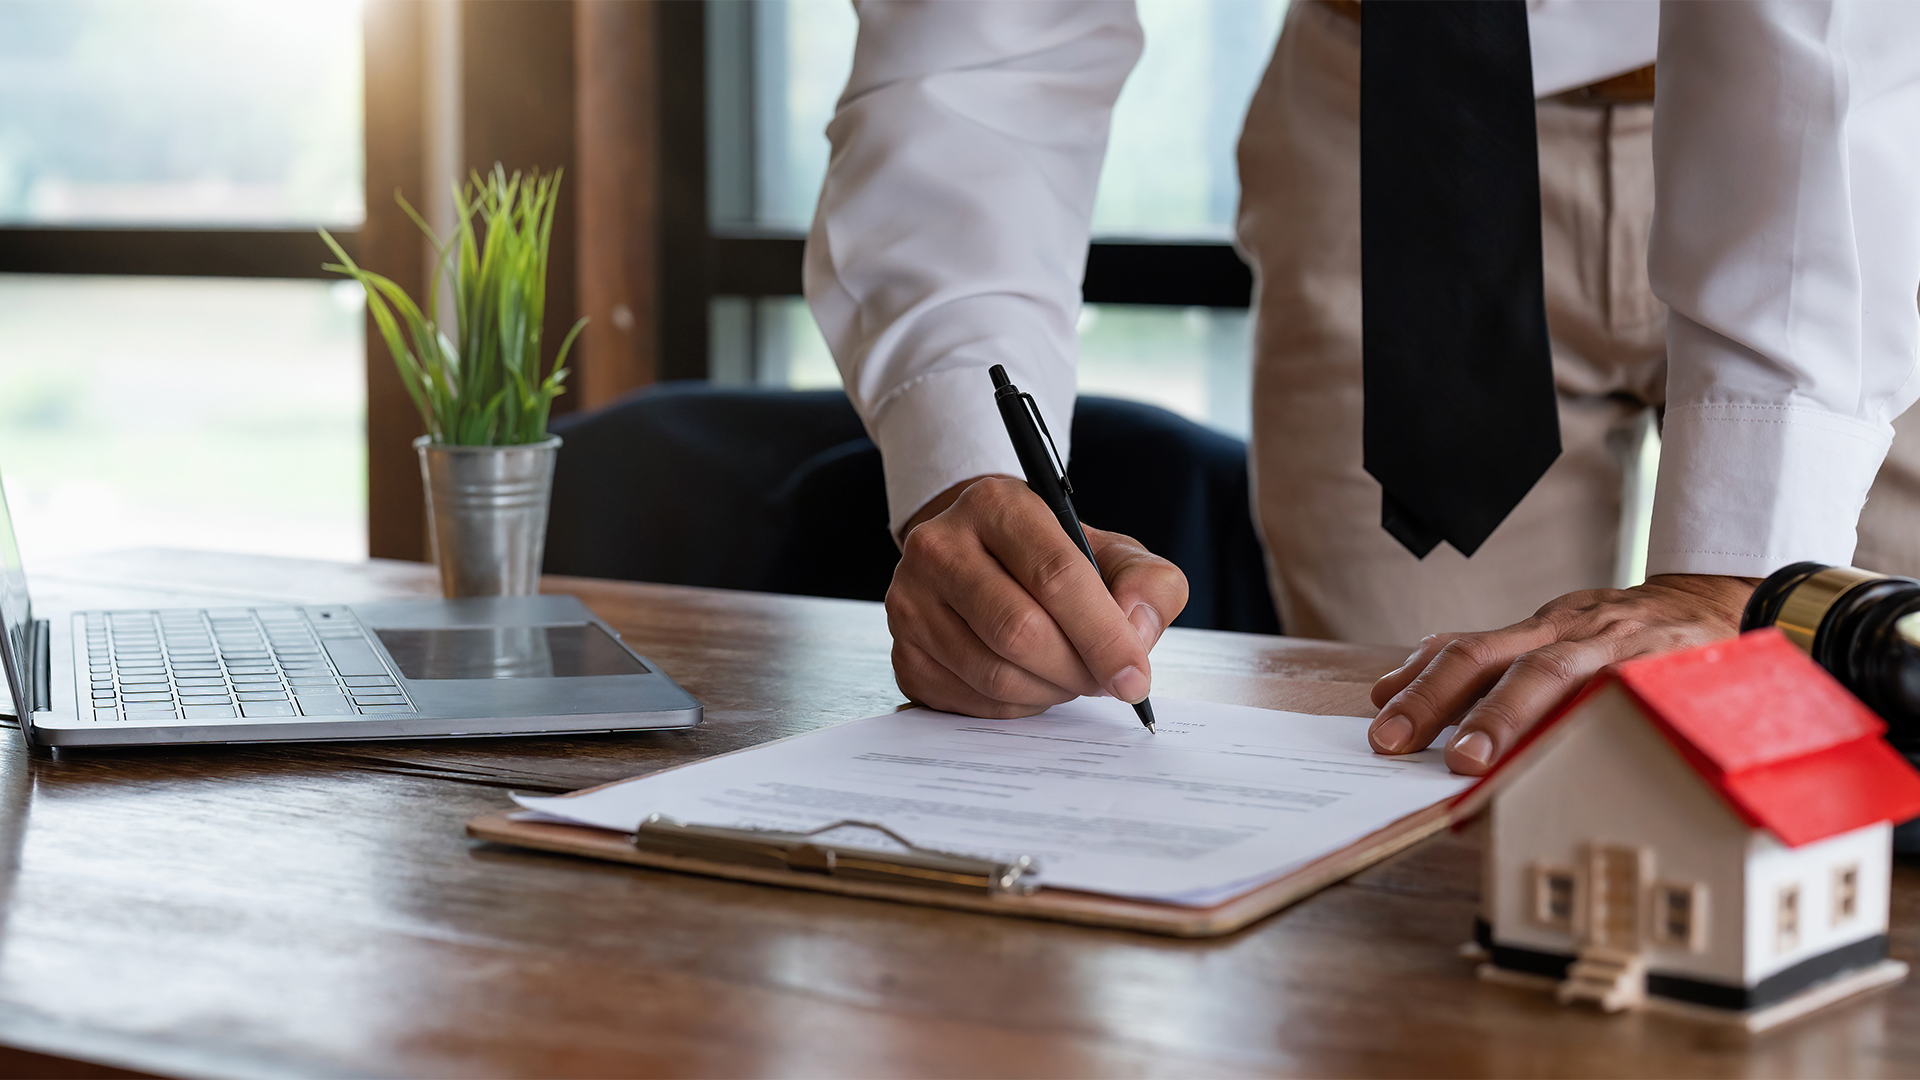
x,y
523,665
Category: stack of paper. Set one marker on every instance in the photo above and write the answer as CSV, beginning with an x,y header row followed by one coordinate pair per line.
x,y
1223,798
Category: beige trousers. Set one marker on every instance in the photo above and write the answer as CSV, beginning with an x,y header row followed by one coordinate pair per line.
x,y
1335,572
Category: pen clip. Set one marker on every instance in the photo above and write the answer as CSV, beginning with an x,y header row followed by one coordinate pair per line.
x,y
1053,451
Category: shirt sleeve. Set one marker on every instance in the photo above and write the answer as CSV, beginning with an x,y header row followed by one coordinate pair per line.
x,y
952,228
1786,242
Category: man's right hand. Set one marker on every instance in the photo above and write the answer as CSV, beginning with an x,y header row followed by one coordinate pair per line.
x,y
995,613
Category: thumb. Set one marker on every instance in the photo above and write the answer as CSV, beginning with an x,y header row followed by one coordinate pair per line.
x,y
1150,591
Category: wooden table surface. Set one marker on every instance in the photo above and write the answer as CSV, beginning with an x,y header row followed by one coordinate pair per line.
x,y
316,910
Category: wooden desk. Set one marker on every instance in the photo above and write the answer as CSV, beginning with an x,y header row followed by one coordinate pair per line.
x,y
315,910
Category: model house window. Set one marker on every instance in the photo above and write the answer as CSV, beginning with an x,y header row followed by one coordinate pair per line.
x,y
1553,897
1786,924
1679,916
1846,893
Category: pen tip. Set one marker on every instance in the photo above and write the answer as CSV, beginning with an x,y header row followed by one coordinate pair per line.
x,y
1144,710
1150,730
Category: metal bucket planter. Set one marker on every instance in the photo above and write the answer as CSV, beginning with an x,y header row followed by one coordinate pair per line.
x,y
487,514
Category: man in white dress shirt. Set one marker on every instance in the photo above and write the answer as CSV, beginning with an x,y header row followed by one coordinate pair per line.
x,y
1786,147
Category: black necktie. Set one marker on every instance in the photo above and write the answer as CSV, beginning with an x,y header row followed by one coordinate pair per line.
x,y
1460,411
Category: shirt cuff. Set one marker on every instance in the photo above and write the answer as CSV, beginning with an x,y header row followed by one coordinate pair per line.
x,y
1747,489
938,430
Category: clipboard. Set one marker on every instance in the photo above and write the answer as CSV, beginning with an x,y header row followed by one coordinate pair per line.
x,y
719,853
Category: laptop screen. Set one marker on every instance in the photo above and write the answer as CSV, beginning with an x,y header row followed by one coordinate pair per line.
x,y
16,614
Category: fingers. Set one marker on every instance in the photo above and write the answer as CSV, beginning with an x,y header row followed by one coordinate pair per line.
x,y
929,682
942,565
1534,685
1149,589
1463,669
1396,680
947,639
1498,684
1024,536
993,614
995,611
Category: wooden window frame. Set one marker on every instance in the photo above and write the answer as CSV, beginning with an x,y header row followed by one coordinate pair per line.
x,y
161,252
506,90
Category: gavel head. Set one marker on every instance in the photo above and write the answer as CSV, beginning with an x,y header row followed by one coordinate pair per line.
x,y
1862,626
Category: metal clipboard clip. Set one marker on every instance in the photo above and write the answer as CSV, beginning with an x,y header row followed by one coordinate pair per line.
x,y
801,853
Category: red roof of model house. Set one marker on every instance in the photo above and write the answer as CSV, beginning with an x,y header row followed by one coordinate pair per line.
x,y
1786,746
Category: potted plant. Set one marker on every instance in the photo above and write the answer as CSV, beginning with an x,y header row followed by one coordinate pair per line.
x,y
486,459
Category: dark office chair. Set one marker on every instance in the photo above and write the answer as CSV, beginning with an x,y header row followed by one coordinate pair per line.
x,y
782,491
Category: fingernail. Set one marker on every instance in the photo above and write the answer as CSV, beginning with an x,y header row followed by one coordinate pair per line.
x,y
1392,734
1146,622
1130,685
1475,747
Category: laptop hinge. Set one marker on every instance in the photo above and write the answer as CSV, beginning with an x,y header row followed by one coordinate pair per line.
x,y
42,668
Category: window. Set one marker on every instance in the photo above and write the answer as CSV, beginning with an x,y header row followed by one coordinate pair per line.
x,y
137,112
1553,897
1196,361
1170,168
211,413
1166,317
161,162
778,68
769,341
1191,360
1846,893
1679,916
1786,922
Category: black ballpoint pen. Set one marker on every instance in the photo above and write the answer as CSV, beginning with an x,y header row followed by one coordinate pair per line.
x,y
1046,473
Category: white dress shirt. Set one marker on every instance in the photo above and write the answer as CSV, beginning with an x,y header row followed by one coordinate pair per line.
x,y
953,226
1576,42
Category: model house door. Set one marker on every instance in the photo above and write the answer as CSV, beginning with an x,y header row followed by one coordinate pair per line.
x,y
1613,897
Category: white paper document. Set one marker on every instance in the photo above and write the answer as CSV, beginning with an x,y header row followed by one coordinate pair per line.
x,y
1223,798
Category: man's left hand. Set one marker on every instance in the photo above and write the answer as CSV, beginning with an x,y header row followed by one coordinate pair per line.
x,y
1497,684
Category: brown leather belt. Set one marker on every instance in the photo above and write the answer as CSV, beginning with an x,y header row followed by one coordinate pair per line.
x,y
1631,88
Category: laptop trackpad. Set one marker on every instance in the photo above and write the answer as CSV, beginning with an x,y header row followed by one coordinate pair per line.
x,y
508,652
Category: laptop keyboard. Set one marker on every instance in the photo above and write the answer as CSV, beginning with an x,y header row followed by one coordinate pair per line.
x,y
234,663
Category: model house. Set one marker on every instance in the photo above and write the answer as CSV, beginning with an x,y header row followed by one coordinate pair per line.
x,y
1709,828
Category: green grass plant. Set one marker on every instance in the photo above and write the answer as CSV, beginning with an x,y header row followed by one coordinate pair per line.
x,y
486,389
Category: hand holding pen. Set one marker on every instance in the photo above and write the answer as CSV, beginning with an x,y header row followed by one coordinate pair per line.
x,y
1047,477
995,612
